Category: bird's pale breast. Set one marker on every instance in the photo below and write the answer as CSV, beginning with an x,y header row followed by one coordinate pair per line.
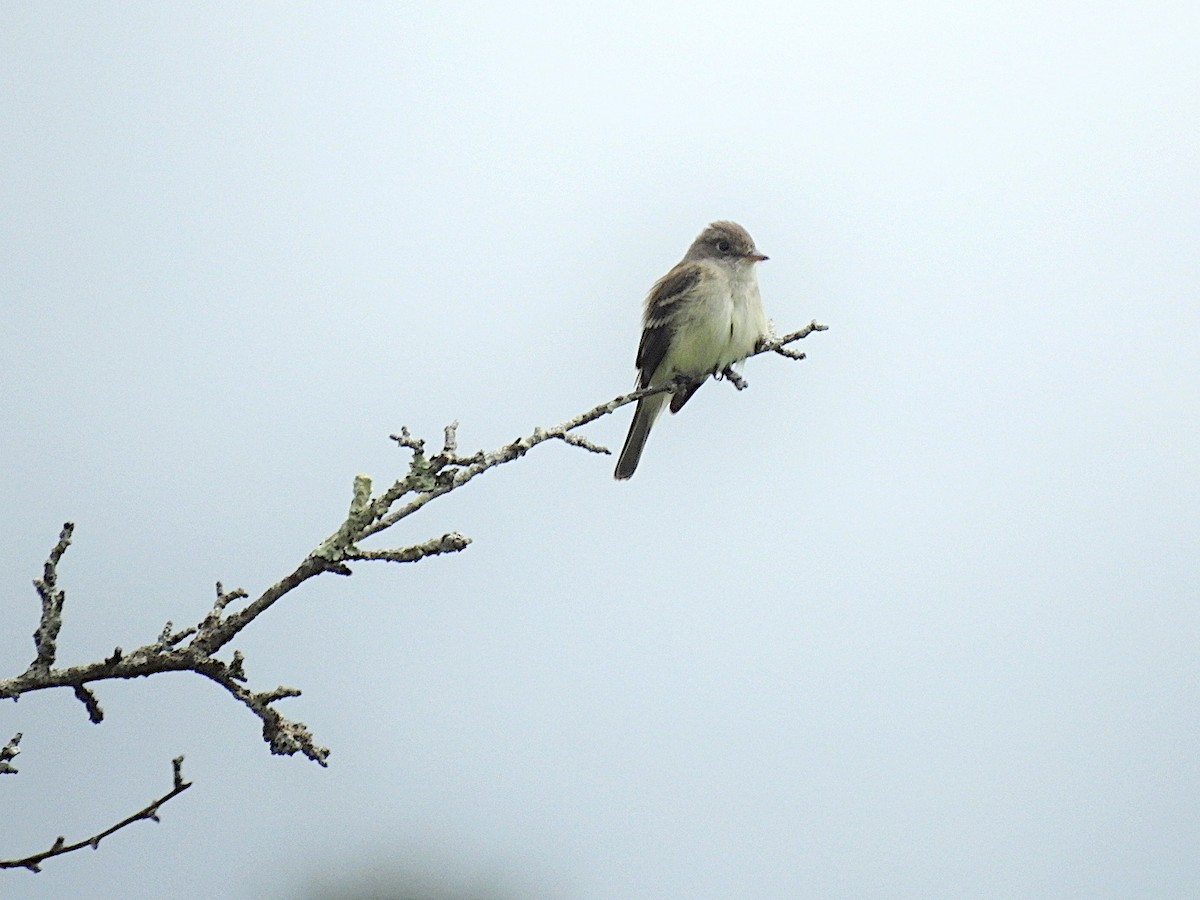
x,y
723,327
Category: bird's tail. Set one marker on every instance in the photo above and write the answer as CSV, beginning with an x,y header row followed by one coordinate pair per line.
x,y
647,411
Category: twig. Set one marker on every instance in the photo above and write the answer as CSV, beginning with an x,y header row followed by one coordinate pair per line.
x,y
45,639
60,846
774,345
447,543
8,753
578,440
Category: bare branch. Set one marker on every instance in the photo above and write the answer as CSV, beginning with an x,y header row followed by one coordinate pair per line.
x,y
450,444
45,639
790,353
578,440
90,703
779,344
430,479
60,846
7,753
283,736
168,638
447,543
361,495
404,439
193,649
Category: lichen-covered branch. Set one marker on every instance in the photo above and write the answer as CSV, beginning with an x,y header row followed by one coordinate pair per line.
x,y
195,648
45,639
167,655
447,543
60,846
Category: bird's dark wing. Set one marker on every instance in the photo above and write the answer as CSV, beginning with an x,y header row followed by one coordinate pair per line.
x,y
681,397
662,306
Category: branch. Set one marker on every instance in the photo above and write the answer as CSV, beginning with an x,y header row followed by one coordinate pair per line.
x,y
45,639
194,648
431,478
7,753
779,344
169,654
60,846
447,543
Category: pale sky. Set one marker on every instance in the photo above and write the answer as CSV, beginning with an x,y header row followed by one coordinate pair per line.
x,y
915,617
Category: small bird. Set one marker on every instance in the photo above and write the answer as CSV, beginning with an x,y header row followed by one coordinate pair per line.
x,y
701,317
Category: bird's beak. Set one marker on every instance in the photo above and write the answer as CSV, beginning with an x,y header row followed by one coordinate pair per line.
x,y
757,257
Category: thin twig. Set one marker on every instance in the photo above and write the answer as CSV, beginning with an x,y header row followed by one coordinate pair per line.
x,y
60,846
8,753
578,440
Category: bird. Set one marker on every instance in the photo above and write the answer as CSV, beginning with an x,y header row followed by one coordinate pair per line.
x,y
701,317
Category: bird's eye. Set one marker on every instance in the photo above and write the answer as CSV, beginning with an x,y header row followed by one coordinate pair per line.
x,y
723,246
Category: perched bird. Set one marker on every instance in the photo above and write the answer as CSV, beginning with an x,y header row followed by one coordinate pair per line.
x,y
700,317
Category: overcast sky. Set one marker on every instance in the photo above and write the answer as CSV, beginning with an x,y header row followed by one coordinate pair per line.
x,y
915,617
